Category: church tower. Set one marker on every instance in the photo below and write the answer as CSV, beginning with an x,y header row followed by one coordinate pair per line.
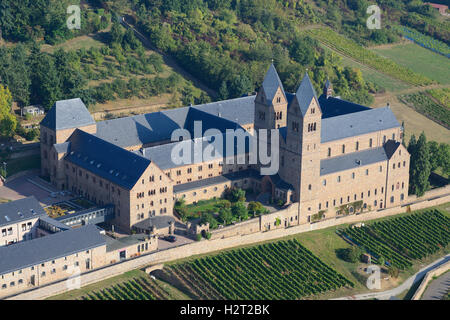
x,y
302,153
328,89
270,102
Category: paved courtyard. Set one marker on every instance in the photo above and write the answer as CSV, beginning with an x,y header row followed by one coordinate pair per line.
x,y
22,187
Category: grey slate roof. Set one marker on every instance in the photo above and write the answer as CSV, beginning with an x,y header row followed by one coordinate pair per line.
x,y
305,93
358,123
67,114
119,243
158,126
161,155
32,252
215,180
27,207
105,159
140,129
390,147
239,110
349,161
332,107
271,83
233,176
158,222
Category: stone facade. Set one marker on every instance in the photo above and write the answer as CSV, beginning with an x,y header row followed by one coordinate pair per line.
x,y
377,184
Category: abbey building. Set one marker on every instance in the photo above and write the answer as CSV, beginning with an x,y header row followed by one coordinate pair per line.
x,y
335,156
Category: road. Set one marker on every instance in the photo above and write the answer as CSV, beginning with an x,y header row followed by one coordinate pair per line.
x,y
437,288
386,295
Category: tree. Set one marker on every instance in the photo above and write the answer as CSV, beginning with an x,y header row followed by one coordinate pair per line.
x,y
45,81
352,254
239,210
235,194
116,34
223,91
420,165
8,121
302,50
393,272
208,218
434,155
444,158
240,85
255,207
225,215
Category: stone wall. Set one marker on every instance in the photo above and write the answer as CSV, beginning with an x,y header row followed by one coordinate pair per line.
x,y
428,278
218,244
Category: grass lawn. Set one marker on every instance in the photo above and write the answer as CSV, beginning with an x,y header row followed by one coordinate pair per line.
x,y
21,164
420,60
81,42
369,74
203,206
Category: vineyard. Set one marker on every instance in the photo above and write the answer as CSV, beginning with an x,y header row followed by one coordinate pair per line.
x,y
401,240
426,106
357,52
424,40
441,95
139,288
279,270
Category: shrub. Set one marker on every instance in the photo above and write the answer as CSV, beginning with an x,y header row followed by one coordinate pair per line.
x,y
352,254
198,237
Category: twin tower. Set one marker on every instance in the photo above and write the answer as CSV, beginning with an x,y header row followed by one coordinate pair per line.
x,y
298,119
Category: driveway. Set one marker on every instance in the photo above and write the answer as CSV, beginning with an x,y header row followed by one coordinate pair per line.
x,y
163,244
386,295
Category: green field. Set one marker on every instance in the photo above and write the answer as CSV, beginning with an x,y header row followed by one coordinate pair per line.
x,y
350,48
372,75
420,60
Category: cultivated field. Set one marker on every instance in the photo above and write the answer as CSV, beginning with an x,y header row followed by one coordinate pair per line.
x,y
424,104
370,74
403,239
277,270
420,60
133,285
353,50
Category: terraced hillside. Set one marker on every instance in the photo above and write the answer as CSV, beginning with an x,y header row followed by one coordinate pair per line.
x,y
278,270
400,241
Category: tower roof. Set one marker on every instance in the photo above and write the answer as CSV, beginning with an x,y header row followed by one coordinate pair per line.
x,y
271,83
305,93
65,114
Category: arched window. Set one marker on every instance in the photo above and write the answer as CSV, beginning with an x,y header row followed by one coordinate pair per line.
x,y
343,148
309,187
329,152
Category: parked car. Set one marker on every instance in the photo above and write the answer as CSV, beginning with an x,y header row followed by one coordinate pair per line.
x,y
170,238
54,194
